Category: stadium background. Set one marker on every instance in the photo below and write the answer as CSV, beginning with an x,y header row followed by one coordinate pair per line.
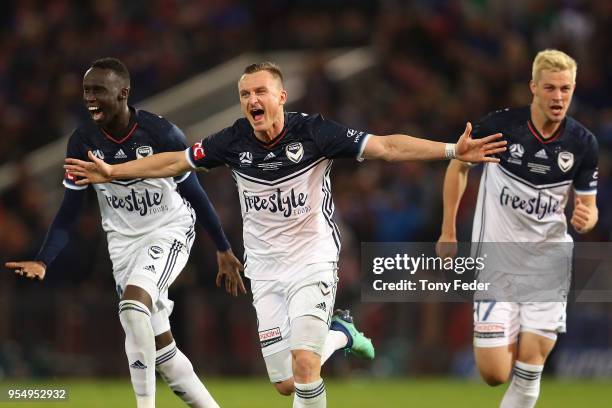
x,y
437,64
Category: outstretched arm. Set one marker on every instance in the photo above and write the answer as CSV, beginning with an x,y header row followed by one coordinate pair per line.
x,y
404,147
160,165
56,239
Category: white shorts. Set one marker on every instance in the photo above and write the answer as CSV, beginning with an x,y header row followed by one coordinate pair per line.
x,y
311,292
152,263
499,323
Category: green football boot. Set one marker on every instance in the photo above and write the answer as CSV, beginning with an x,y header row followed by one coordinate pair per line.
x,y
358,344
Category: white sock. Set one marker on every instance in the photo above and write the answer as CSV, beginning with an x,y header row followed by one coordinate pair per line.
x,y
524,388
177,371
310,395
335,340
145,401
140,350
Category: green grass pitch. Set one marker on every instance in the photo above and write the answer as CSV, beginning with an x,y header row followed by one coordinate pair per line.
x,y
349,393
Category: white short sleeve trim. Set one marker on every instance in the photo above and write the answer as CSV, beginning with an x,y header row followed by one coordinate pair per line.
x,y
180,179
362,147
73,186
188,156
586,192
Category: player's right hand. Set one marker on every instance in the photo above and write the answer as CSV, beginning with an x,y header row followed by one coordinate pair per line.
x,y
229,271
29,269
93,172
446,247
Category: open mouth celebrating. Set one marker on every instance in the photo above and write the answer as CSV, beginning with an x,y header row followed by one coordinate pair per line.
x,y
556,109
96,112
257,114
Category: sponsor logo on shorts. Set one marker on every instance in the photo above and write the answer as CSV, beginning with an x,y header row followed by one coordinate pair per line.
x,y
321,306
155,252
138,365
489,330
150,268
270,336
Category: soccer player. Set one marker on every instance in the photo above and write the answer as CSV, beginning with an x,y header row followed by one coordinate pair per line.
x,y
522,199
281,162
150,229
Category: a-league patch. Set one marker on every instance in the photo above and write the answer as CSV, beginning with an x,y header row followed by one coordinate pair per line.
x,y
270,336
155,251
489,330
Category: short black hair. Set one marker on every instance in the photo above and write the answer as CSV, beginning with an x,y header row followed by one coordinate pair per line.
x,y
114,65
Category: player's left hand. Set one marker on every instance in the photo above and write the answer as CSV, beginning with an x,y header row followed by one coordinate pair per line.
x,y
229,270
583,217
479,150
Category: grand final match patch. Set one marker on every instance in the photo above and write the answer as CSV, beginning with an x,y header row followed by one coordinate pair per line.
x,y
270,336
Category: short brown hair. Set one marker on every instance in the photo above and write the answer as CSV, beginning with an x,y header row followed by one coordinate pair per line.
x,y
265,66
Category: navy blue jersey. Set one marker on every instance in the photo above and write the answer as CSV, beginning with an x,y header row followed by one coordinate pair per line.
x,y
523,198
284,188
148,134
132,208
569,155
304,140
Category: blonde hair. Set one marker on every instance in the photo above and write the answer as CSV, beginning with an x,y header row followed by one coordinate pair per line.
x,y
553,60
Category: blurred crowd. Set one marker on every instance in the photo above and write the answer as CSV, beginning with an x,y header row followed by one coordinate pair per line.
x,y
438,64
